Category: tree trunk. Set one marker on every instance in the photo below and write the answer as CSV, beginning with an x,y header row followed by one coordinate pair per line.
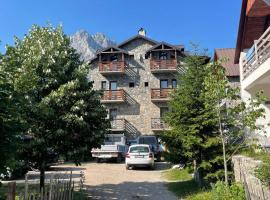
x,y
223,148
42,177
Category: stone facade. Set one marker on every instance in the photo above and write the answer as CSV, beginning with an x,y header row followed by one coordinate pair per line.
x,y
138,109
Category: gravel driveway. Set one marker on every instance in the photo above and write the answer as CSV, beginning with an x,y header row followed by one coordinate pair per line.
x,y
111,181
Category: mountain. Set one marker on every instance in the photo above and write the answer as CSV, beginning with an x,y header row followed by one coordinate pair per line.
x,y
87,44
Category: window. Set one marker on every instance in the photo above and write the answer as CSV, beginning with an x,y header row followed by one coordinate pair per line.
x,y
174,83
103,85
113,85
163,111
146,84
163,56
131,85
139,149
164,83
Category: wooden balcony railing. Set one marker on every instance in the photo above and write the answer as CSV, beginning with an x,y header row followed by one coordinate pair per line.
x,y
111,67
118,125
257,55
163,65
158,124
110,96
161,94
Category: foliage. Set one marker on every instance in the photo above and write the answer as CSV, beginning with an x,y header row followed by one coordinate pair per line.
x,y
262,172
223,192
9,119
229,114
61,112
193,137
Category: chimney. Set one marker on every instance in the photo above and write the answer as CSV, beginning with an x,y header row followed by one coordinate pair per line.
x,y
142,32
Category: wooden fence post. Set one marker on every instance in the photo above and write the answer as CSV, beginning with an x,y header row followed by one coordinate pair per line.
x,y
11,191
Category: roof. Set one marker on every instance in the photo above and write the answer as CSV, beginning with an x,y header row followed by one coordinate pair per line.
x,y
166,44
113,47
231,68
138,37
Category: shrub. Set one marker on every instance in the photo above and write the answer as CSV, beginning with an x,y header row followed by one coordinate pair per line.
x,y
262,172
233,192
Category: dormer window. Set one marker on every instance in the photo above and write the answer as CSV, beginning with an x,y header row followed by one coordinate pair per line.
x,y
163,56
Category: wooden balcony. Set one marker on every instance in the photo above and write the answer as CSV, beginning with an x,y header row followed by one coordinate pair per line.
x,y
161,94
257,55
158,124
118,125
113,96
111,67
160,66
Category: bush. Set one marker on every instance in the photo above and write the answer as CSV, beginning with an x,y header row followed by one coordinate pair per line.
x,y
233,192
262,172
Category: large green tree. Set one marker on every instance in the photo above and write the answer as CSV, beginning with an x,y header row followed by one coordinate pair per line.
x,y
231,115
61,111
192,137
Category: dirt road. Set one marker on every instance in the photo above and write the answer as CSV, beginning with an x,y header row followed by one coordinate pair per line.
x,y
111,181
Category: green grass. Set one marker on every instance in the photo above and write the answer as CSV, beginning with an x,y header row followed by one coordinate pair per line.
x,y
183,185
177,175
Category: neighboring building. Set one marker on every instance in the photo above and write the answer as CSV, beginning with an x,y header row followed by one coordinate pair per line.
x,y
137,77
232,69
253,55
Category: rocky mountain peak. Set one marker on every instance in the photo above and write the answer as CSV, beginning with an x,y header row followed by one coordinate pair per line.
x,y
87,44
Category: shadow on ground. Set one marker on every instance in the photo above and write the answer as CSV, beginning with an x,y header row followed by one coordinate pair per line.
x,y
130,191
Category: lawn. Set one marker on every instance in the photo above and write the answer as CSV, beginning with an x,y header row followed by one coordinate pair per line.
x,y
183,186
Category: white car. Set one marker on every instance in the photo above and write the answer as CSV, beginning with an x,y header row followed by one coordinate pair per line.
x,y
139,155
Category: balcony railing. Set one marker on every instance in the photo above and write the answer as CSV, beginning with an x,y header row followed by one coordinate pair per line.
x,y
112,67
113,96
163,65
158,124
161,94
118,125
257,55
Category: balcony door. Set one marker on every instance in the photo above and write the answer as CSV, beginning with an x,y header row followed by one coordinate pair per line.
x,y
164,83
113,85
163,111
113,116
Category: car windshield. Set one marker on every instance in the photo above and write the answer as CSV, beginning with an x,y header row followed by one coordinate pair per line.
x,y
139,149
147,140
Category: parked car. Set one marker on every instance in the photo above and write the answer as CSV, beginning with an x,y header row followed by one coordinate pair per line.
x,y
152,141
139,155
114,147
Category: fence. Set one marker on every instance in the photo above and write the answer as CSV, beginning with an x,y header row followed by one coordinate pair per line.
x,y
244,173
58,186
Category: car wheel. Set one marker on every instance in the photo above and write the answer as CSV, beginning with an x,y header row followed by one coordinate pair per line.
x,y
127,167
118,159
152,167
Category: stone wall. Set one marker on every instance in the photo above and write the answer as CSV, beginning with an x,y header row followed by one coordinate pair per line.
x,y
244,172
139,109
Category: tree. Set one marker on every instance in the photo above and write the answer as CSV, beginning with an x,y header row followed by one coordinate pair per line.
x,y
9,123
195,140
230,115
62,113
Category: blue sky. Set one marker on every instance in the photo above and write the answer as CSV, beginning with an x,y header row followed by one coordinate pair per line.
x,y
209,23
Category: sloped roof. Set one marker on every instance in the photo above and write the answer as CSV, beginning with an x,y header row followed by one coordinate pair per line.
x,y
138,37
113,47
166,44
231,68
